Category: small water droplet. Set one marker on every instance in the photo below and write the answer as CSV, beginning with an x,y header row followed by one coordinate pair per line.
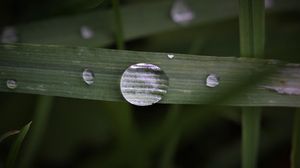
x,y
212,80
181,13
171,56
144,84
86,32
11,84
88,76
269,4
9,35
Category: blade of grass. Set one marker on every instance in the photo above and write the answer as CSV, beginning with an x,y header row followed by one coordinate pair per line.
x,y
140,20
119,24
30,10
296,141
47,70
43,107
15,149
8,134
250,136
252,43
172,134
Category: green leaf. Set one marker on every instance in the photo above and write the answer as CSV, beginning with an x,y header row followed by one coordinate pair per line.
x,y
139,20
42,110
252,44
8,134
252,28
119,24
250,136
57,71
172,131
15,149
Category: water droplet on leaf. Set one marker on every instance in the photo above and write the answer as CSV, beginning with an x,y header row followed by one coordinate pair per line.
x,y
181,13
212,80
86,32
144,84
9,35
88,76
11,84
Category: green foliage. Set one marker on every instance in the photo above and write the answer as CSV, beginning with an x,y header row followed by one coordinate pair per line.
x,y
252,44
43,108
15,149
88,126
44,71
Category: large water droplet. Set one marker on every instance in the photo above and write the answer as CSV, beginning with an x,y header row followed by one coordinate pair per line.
x,y
181,13
86,32
212,80
11,84
88,76
9,35
144,84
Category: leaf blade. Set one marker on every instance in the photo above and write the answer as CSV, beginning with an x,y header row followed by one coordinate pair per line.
x,y
15,149
56,71
252,44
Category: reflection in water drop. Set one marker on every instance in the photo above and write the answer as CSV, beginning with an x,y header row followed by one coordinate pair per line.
x,y
144,84
86,32
171,56
88,76
9,35
11,84
212,80
181,13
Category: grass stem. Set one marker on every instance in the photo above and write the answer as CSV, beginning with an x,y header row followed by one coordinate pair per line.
x,y
118,24
252,43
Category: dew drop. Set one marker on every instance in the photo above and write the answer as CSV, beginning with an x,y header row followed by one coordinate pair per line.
x,y
181,13
88,76
212,80
143,84
11,84
86,32
171,56
9,35
269,4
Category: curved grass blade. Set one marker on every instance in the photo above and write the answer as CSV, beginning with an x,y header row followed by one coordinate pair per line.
x,y
8,134
42,110
15,149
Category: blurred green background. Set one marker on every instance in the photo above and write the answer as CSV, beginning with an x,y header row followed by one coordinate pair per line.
x,y
87,134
